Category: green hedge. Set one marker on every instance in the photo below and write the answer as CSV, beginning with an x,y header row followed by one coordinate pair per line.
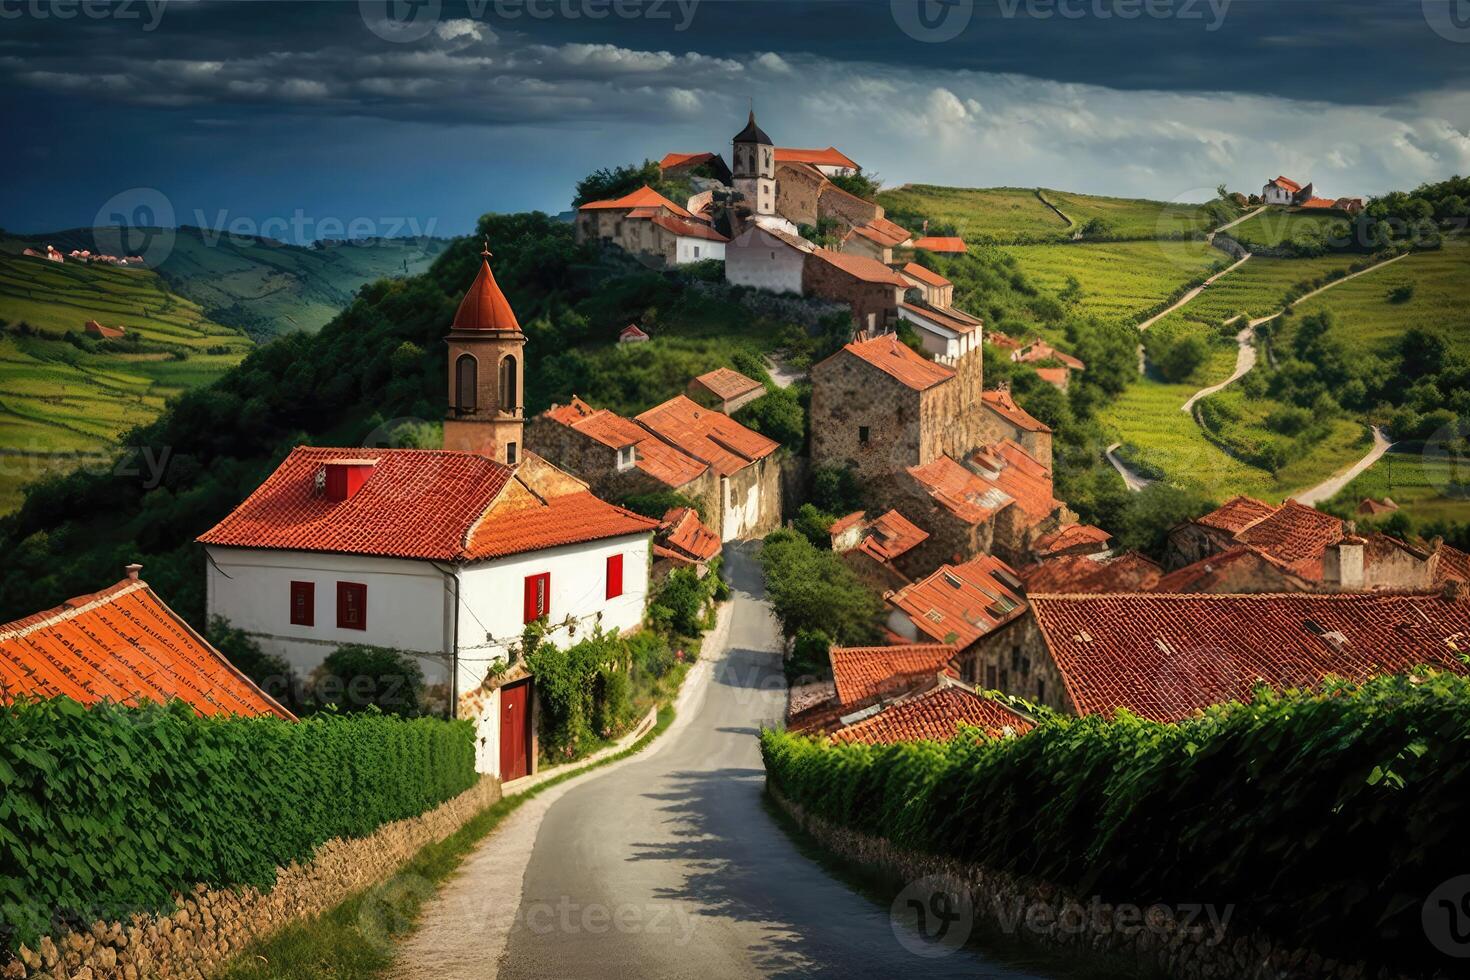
x,y
1326,818
109,810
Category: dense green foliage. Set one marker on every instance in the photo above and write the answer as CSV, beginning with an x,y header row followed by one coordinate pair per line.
x,y
358,677
812,589
1324,817
583,691
109,810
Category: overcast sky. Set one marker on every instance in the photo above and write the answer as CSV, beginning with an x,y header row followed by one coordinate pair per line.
x,y
408,115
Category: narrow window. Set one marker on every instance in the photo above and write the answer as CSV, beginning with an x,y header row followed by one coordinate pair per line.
x,y
509,397
863,435
303,603
510,454
351,606
466,380
1040,691
990,678
538,596
614,576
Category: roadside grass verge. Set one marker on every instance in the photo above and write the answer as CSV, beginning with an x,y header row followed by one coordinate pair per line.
x,y
357,938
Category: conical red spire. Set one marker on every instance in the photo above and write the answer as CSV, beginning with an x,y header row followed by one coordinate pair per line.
x,y
485,307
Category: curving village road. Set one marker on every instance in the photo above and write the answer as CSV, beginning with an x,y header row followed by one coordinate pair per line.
x,y
669,865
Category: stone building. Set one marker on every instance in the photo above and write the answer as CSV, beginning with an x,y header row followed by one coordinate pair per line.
x,y
1004,419
620,458
693,164
486,373
724,390
945,333
753,170
878,549
957,604
869,287
935,289
1165,657
649,225
832,162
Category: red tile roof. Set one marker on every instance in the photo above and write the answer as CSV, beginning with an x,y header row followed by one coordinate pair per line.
x,y
1287,184
958,604
688,228
726,384
417,503
1166,656
1205,574
882,231
484,306
682,531
1454,564
864,674
953,320
106,333
962,492
1075,574
1004,405
891,535
707,435
1038,350
999,475
634,331
926,276
672,160
663,462
1295,535
940,244
1373,507
935,716
893,357
1056,377
1002,341
861,267
1318,202
123,644
1237,514
643,197
845,523
830,157
1072,536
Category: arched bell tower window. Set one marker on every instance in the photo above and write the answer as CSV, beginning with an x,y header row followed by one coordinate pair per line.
x,y
509,396
466,383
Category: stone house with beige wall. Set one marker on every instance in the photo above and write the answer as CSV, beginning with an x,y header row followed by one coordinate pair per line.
x,y
870,288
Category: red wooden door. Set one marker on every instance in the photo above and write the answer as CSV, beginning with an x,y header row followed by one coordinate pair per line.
x,y
515,731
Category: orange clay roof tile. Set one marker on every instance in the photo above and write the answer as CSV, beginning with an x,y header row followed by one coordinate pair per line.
x,y
1004,405
958,604
935,716
707,435
864,674
894,358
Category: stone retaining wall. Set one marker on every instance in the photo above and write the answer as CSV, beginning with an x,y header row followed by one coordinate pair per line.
x,y
211,925
1042,915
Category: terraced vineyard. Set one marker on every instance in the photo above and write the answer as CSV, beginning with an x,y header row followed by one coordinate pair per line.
x,y
1274,227
1367,313
1119,281
1257,288
1431,485
1132,218
1000,214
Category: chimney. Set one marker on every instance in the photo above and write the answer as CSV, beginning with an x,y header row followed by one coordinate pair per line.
x,y
133,570
1342,565
344,477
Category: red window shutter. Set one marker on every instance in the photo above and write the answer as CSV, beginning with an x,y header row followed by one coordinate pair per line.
x,y
538,596
351,606
614,576
303,603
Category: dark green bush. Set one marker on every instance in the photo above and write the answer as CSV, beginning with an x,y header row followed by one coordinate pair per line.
x,y
108,811
1325,817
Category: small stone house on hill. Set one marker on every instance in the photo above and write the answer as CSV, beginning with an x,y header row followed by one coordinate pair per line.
x,y
687,164
957,604
870,288
124,645
647,224
767,258
724,390
832,162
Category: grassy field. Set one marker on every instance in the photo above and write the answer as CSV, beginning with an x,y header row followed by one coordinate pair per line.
x,y
1257,288
1274,227
62,403
1001,214
1147,419
1119,281
1422,484
1366,316
1132,218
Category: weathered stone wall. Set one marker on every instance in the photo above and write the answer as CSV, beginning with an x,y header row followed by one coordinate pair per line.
x,y
769,300
873,304
797,190
994,427
952,417
759,482
212,925
1015,660
848,394
1190,542
1156,940
837,204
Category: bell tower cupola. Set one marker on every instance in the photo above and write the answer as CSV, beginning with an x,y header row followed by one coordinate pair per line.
x,y
754,170
486,373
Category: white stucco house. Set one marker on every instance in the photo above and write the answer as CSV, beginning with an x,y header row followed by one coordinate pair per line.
x,y
767,258
446,556
946,333
1281,191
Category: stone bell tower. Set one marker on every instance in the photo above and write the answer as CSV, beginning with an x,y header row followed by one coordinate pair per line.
x,y
486,373
754,168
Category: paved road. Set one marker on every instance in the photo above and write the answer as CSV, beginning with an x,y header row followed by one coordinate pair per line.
x,y
669,866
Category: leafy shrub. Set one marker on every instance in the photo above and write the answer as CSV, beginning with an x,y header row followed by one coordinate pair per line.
x,y
581,699
809,656
110,810
1325,817
659,502
777,415
357,677
680,601
813,589
1288,420
814,525
1401,293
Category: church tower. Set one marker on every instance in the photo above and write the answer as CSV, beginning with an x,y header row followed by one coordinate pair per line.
x,y
486,373
754,169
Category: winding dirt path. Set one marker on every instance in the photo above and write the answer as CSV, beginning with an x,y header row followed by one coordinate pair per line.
x,y
1322,289
1193,293
1245,359
1133,481
1329,488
